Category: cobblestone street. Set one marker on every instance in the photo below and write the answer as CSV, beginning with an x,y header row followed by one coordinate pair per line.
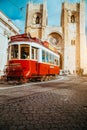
x,y
56,105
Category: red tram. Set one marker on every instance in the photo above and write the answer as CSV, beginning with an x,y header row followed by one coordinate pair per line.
x,y
31,59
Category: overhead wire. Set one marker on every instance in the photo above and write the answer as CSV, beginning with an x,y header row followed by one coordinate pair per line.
x,y
20,8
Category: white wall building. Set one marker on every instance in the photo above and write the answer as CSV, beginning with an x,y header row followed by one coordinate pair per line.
x,y
7,29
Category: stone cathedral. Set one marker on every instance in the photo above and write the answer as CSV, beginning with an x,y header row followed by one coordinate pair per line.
x,y
69,38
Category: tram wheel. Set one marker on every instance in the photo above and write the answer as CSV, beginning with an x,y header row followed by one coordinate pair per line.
x,y
42,78
23,80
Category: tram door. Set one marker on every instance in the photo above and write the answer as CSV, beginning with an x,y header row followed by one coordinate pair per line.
x,y
34,56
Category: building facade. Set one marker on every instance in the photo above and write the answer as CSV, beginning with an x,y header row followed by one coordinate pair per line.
x,y
69,38
7,29
36,20
73,25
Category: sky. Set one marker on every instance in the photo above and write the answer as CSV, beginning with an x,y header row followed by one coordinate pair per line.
x,y
15,10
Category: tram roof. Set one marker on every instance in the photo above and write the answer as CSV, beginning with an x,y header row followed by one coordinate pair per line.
x,y
27,38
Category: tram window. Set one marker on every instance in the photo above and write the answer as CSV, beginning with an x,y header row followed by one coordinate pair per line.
x,y
43,56
55,60
14,51
9,54
58,62
52,59
47,57
34,53
25,49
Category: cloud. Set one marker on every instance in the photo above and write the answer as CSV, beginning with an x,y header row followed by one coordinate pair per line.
x,y
20,24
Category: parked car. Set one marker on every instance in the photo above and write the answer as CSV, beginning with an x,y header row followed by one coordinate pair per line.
x,y
64,72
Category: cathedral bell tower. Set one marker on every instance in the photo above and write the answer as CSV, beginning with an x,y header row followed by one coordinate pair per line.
x,y
36,20
73,25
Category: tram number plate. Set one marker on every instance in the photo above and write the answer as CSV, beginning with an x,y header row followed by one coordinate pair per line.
x,y
51,66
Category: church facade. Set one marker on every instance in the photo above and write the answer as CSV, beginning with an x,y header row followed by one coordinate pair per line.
x,y
69,38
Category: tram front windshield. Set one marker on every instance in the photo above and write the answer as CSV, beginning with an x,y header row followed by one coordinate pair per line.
x,y
14,51
24,51
19,51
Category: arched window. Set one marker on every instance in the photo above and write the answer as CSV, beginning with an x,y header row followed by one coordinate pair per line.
x,y
72,19
37,20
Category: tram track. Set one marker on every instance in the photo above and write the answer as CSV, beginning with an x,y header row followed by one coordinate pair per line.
x,y
10,86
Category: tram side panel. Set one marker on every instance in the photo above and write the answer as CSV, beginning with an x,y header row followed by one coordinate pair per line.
x,y
33,68
47,69
53,70
43,69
